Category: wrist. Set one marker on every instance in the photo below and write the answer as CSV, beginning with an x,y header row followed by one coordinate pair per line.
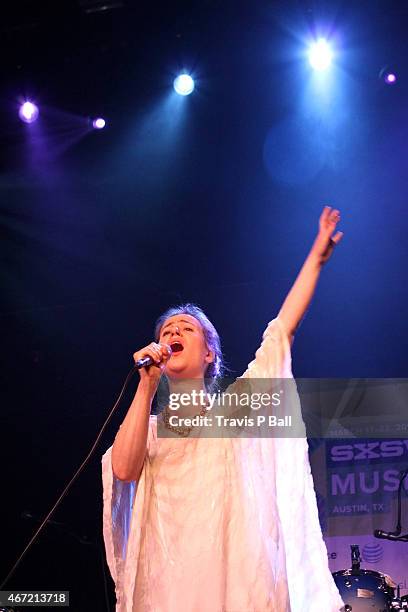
x,y
315,257
147,388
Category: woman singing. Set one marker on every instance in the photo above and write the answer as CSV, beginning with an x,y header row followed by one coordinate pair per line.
x,y
217,524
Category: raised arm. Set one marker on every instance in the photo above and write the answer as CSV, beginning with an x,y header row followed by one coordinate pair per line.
x,y
299,297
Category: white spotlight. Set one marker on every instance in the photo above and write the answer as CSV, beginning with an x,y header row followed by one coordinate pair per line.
x,y
28,112
183,84
320,55
99,123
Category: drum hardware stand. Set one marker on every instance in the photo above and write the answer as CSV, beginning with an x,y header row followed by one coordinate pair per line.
x,y
395,536
355,559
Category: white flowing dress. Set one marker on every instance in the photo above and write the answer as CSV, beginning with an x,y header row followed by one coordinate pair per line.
x,y
220,524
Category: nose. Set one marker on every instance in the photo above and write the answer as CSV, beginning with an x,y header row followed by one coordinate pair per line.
x,y
175,330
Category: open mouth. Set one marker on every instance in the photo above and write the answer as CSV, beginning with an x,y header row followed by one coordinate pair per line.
x,y
176,347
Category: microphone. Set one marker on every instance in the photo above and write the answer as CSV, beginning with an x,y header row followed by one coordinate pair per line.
x,y
390,535
145,362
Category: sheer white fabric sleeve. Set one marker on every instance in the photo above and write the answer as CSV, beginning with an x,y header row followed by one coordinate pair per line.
x,y
311,585
273,358
272,361
118,517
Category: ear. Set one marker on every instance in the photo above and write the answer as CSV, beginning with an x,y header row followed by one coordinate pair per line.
x,y
210,356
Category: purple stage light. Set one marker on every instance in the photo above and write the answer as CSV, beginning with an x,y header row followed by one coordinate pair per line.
x,y
99,123
388,75
28,112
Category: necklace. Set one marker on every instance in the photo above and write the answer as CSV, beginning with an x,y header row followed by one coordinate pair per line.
x,y
182,430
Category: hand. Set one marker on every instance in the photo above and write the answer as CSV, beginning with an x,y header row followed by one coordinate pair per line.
x,y
326,239
160,353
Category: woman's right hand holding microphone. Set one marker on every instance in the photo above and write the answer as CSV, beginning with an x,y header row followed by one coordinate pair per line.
x,y
160,353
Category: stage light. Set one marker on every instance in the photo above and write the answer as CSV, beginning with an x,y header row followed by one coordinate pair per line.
x,y
320,55
183,84
99,6
28,112
99,123
388,76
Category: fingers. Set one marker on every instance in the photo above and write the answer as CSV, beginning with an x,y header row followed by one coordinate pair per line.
x,y
334,216
325,214
165,352
160,353
329,218
337,237
153,350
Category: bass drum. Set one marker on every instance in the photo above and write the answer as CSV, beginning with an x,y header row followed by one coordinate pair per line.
x,y
365,590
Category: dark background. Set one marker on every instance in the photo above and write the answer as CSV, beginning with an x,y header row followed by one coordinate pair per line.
x,y
213,198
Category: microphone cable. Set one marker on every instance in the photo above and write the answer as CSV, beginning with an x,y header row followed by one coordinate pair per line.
x,y
71,482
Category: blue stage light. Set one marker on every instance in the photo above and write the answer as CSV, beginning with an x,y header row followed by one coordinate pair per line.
x,y
183,84
320,55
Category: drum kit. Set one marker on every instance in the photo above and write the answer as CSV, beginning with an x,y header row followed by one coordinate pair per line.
x,y
365,590
369,591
